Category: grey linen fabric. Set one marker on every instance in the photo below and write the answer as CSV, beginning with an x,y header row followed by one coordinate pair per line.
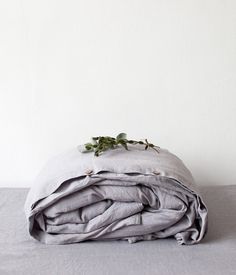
x,y
129,195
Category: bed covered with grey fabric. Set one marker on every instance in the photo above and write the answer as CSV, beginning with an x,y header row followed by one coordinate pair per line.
x,y
129,195
215,254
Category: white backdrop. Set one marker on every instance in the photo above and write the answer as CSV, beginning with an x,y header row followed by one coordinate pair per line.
x,y
165,70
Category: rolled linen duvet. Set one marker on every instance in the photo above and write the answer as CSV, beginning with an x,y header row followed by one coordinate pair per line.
x,y
129,195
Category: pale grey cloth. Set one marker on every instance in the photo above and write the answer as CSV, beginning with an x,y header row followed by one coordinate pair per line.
x,y
129,195
216,254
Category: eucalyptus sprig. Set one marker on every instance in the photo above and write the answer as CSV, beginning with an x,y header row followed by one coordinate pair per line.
x,y
102,143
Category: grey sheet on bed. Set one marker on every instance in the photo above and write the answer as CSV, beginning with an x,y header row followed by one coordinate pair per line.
x,y
216,254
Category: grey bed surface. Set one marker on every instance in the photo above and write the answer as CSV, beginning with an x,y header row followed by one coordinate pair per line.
x,y
216,254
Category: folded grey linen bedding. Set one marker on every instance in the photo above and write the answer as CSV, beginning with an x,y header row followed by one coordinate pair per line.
x,y
121,195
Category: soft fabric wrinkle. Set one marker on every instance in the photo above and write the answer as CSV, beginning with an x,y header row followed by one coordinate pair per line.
x,y
82,215
135,195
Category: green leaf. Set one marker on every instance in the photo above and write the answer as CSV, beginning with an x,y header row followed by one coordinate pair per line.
x,y
121,136
88,146
97,152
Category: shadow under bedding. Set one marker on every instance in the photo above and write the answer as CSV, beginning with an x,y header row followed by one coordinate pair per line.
x,y
216,254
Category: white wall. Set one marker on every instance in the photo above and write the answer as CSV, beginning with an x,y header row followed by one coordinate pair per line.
x,y
165,70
